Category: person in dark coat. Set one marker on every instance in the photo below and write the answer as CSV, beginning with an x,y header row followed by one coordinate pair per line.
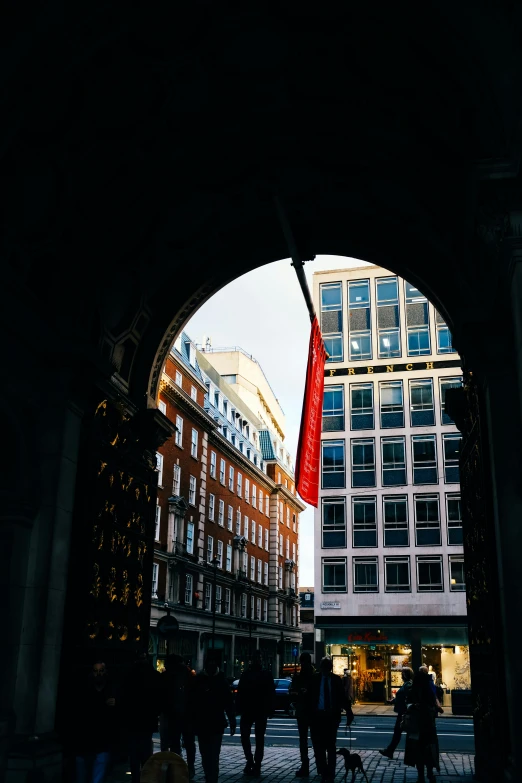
x,y
210,700
140,706
328,699
177,716
255,698
93,716
300,698
422,747
402,698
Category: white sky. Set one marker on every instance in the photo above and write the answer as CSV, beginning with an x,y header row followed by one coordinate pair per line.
x,y
264,313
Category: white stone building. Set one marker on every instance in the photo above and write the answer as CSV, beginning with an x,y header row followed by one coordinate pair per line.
x,y
389,575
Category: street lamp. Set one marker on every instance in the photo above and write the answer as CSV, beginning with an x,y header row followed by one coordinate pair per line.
x,y
214,562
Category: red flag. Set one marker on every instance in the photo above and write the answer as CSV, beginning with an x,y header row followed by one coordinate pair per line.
x,y
308,450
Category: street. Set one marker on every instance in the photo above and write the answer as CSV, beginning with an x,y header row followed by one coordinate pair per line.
x,y
455,735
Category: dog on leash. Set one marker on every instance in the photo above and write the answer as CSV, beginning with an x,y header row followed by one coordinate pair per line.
x,y
352,763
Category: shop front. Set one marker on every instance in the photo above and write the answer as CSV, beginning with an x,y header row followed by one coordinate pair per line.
x,y
375,658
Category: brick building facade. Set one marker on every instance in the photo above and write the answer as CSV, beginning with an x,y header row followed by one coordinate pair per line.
x,y
227,525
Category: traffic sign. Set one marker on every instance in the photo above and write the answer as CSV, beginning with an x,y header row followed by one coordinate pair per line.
x,y
168,626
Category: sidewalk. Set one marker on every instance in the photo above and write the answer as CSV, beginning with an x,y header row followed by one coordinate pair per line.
x,y
280,765
387,710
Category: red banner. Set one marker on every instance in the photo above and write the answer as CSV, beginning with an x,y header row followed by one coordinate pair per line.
x,y
308,457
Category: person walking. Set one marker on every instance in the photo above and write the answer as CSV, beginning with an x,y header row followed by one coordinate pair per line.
x,y
300,696
255,699
140,706
422,746
328,699
177,717
95,725
210,700
399,706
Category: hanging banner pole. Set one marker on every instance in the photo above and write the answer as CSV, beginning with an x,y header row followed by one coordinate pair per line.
x,y
308,457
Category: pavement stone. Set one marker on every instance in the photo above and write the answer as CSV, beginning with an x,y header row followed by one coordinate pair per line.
x,y
280,765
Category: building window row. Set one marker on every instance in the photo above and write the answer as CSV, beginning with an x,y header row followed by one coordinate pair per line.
x,y
388,321
253,495
366,576
394,522
391,408
393,461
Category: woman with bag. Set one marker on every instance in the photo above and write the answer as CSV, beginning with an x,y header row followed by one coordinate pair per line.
x,y
422,745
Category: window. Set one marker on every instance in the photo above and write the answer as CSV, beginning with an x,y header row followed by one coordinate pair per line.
x,y
281,544
393,462
265,573
247,490
294,523
176,481
192,491
254,495
219,554
334,574
217,401
280,577
333,408
397,574
179,379
222,471
280,512
395,514
154,580
243,605
252,599
163,407
258,609
158,518
445,384
188,589
457,578
261,500
208,597
392,404
287,548
444,341
227,600
454,517
259,571
253,531
287,517
221,513
213,464
280,612
267,507
332,320
334,523
427,520
294,554
210,548
361,406
364,516
363,463
194,393
388,324
265,610
194,444
360,320
245,527
238,522
451,449
260,536
429,573
178,437
266,540
333,473
159,468
228,564
218,599
365,575
231,478
417,321
424,459
190,538
211,504
422,411
239,484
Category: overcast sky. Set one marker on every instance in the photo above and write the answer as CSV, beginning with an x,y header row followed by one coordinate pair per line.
x,y
264,313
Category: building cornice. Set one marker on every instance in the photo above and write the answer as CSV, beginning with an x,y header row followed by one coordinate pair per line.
x,y
280,488
169,387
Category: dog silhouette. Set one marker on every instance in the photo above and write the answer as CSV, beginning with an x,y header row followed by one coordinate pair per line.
x,y
352,762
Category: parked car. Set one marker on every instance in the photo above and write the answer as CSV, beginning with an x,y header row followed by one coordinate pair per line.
x,y
282,696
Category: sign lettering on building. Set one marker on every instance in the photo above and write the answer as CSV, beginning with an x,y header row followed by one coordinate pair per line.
x,y
330,605
391,368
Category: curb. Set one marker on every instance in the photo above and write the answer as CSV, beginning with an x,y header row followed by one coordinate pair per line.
x,y
446,716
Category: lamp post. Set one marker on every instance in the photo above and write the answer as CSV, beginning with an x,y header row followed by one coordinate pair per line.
x,y
215,565
249,590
